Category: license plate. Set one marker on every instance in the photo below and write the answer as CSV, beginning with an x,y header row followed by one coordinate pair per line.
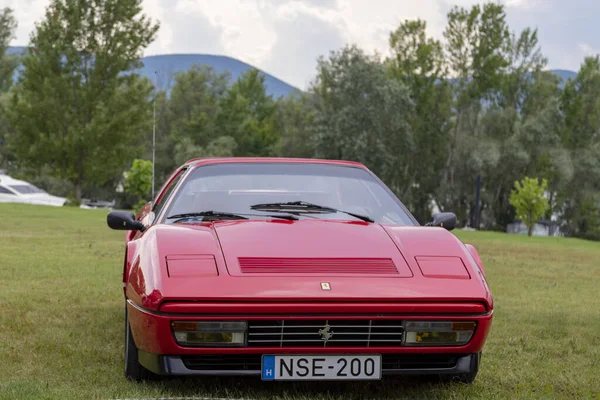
x,y
316,367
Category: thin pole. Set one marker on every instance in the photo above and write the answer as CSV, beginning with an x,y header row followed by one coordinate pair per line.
x,y
477,201
154,130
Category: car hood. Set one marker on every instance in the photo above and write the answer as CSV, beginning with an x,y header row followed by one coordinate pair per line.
x,y
305,248
306,260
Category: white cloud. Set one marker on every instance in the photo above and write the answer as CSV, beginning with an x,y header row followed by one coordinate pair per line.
x,y
521,3
302,36
588,50
27,13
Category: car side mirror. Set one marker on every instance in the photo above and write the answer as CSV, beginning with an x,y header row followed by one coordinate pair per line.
x,y
445,220
124,221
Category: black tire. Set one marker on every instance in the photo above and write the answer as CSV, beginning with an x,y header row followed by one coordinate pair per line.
x,y
134,371
469,377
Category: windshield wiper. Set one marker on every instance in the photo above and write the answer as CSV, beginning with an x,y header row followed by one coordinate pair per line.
x,y
219,214
206,214
299,207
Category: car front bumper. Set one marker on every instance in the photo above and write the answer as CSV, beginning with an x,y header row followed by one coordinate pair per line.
x,y
249,365
160,353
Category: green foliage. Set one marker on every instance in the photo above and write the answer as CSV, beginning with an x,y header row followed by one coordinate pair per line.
x,y
194,104
187,120
297,126
8,25
430,119
248,115
223,146
360,116
139,205
138,180
418,62
529,202
74,109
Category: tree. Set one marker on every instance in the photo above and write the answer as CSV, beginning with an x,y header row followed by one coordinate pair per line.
x,y
361,116
418,62
138,181
581,105
581,137
476,48
8,64
248,115
297,126
78,107
194,104
187,119
525,65
223,146
529,202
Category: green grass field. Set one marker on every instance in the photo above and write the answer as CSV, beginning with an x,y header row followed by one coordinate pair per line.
x,y
61,320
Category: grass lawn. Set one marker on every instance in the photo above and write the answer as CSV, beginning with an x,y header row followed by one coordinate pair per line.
x,y
61,320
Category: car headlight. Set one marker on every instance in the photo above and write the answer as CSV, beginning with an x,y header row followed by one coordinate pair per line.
x,y
432,333
210,333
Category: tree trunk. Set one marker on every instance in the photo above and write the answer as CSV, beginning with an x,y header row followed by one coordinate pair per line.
x,y
529,229
78,192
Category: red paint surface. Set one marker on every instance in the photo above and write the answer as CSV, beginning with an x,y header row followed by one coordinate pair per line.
x,y
192,290
152,333
199,308
187,266
442,267
311,239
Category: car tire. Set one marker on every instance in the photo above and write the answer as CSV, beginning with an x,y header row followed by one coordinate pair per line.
x,y
469,377
134,371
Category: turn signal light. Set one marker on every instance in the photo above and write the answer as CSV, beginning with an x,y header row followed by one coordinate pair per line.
x,y
210,333
438,333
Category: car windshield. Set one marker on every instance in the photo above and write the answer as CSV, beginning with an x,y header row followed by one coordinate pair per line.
x,y
236,188
27,189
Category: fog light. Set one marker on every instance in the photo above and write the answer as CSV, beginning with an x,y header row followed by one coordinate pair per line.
x,y
432,333
210,333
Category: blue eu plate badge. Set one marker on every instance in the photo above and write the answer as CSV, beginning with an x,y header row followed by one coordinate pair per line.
x,y
268,368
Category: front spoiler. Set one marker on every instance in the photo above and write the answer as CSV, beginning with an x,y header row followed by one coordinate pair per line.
x,y
174,366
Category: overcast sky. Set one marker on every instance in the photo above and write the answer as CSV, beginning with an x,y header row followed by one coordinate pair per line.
x,y
285,37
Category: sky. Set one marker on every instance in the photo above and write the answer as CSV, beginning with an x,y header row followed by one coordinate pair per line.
x,y
285,37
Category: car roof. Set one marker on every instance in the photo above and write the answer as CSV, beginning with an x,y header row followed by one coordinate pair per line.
x,y
220,160
7,180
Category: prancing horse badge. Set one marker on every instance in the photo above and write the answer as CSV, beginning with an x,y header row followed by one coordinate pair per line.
x,y
325,286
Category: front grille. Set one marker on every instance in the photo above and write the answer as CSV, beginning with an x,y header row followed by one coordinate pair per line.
x,y
252,362
312,333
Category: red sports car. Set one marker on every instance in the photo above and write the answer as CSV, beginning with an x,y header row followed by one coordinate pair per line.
x,y
295,269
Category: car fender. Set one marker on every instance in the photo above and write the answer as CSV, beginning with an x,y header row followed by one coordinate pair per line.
x,y
130,249
475,255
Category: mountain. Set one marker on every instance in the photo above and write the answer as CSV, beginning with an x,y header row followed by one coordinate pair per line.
x,y
166,65
564,74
